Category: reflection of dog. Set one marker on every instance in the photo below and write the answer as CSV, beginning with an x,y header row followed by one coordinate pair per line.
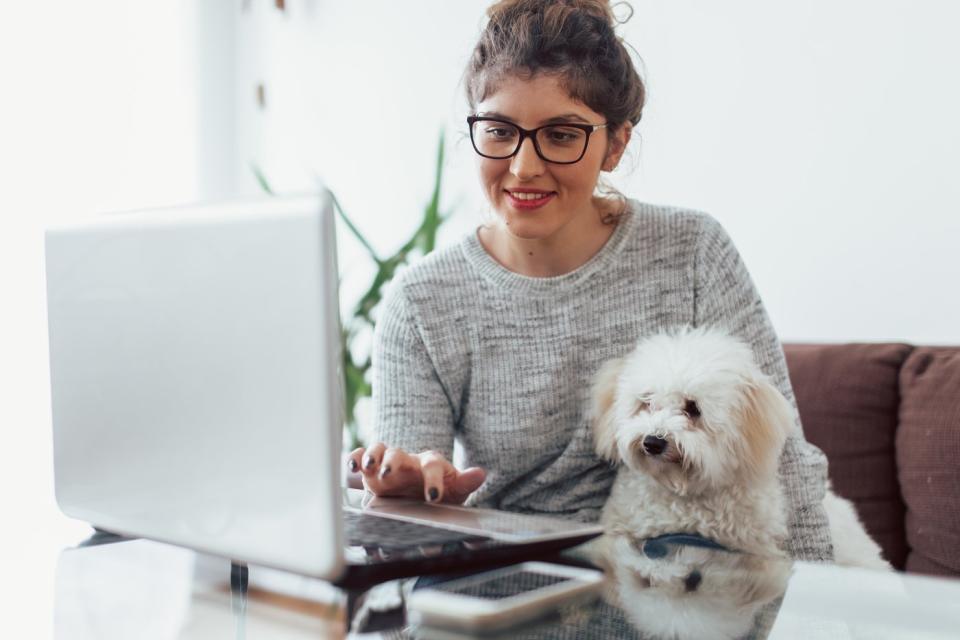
x,y
692,592
698,430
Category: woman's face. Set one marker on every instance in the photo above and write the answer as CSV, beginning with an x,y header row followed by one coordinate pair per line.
x,y
562,192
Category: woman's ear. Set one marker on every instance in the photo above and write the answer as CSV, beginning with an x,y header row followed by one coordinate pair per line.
x,y
603,394
616,146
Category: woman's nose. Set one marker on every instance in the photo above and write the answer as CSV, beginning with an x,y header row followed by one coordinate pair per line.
x,y
526,163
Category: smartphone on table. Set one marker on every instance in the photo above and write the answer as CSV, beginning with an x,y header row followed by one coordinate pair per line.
x,y
493,601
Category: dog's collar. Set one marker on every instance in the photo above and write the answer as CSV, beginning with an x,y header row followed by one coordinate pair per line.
x,y
658,546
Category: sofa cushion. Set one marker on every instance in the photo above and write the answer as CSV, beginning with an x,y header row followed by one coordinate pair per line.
x,y
848,395
928,458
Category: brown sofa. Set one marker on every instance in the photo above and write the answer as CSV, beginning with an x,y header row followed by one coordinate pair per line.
x,y
888,418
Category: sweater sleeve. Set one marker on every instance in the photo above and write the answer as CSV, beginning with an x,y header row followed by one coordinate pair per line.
x,y
412,410
725,296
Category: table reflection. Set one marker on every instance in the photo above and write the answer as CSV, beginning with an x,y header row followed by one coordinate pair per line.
x,y
684,589
672,587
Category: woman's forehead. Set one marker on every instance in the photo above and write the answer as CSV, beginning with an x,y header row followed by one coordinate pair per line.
x,y
534,101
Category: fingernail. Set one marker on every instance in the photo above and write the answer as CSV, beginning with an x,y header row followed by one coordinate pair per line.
x,y
352,464
368,462
385,471
434,494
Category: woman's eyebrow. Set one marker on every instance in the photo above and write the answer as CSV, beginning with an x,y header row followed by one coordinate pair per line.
x,y
567,117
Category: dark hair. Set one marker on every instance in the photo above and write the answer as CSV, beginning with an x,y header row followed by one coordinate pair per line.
x,y
573,39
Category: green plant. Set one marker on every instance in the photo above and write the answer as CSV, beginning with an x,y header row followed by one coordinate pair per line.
x,y
361,318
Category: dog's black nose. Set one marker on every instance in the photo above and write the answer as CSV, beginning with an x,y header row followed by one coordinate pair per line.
x,y
654,445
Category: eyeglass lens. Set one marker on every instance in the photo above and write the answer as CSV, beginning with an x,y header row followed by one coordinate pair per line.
x,y
557,143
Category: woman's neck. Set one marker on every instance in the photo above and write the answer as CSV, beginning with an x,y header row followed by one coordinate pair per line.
x,y
571,247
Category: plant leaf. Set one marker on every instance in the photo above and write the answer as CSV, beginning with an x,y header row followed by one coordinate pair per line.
x,y
352,227
261,179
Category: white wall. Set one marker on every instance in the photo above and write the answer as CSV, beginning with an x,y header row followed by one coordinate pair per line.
x,y
823,135
98,110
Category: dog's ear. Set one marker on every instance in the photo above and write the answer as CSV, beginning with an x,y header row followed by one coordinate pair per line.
x,y
766,422
602,396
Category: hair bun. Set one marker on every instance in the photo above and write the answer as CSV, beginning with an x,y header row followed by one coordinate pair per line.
x,y
573,38
613,13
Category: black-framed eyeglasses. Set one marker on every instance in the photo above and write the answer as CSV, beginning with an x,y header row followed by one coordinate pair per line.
x,y
561,143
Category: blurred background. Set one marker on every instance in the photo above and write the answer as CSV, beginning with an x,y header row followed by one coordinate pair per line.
x,y
822,135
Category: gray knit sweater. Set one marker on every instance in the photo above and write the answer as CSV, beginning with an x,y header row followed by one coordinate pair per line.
x,y
466,350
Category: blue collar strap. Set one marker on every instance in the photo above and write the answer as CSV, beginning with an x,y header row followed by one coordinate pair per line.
x,y
658,547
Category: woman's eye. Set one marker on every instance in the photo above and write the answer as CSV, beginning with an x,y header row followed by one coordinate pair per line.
x,y
563,135
499,133
691,409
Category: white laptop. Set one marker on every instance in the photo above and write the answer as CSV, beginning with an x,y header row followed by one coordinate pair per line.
x,y
197,396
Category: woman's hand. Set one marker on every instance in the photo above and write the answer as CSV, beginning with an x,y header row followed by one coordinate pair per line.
x,y
388,471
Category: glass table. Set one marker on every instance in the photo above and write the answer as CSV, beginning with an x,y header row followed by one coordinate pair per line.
x,y
144,589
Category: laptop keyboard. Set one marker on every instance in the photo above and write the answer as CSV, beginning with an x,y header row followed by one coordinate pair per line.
x,y
365,530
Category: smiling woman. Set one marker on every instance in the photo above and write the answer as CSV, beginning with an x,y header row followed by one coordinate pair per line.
x,y
584,96
494,343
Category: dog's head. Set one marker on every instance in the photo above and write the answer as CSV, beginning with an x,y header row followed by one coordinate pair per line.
x,y
693,410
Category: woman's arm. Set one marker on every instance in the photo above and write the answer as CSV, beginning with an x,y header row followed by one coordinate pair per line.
x,y
413,417
725,296
412,409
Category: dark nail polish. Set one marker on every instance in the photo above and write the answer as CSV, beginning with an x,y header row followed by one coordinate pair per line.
x,y
434,494
352,465
385,471
369,463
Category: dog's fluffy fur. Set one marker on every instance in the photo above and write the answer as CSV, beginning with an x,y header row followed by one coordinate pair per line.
x,y
697,430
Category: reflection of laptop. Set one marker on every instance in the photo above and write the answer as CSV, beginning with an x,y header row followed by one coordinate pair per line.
x,y
195,375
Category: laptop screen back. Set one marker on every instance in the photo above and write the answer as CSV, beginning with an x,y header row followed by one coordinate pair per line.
x,y
195,378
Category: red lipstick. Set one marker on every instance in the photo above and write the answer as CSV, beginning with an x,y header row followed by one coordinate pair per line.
x,y
527,203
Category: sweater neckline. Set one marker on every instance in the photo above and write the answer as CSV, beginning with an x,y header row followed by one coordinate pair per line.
x,y
492,270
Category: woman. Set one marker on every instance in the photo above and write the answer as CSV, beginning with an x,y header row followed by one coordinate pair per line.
x,y
493,342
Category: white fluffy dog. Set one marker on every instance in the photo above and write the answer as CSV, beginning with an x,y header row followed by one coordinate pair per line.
x,y
697,430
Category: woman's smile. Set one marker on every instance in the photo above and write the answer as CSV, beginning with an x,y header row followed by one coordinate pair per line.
x,y
528,199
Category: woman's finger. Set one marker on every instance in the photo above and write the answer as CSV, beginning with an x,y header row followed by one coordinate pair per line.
x,y
396,463
370,463
353,460
435,469
465,483
398,475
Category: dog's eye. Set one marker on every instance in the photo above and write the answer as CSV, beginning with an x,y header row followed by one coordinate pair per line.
x,y
642,405
691,409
